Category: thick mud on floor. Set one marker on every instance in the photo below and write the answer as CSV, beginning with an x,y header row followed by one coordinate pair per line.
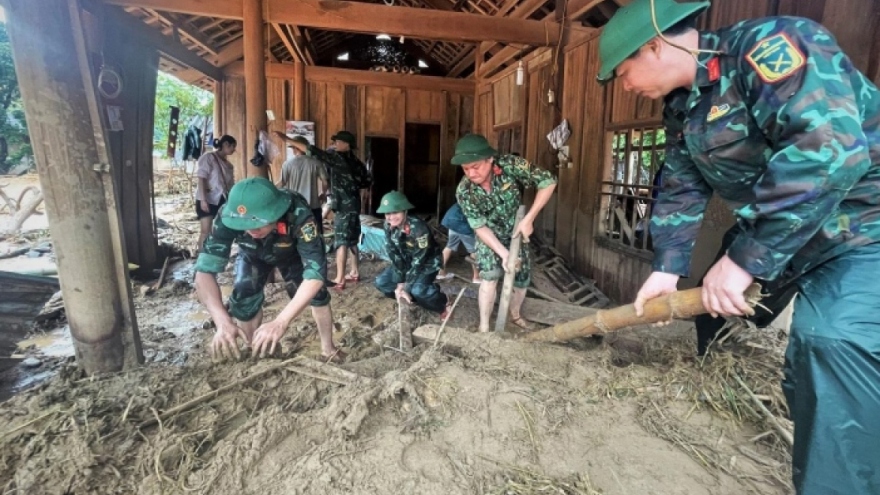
x,y
632,413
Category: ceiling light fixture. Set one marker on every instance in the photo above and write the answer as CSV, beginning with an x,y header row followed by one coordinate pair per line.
x,y
342,56
423,64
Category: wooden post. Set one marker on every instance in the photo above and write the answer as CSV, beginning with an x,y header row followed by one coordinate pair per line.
x,y
299,91
404,317
254,81
507,289
60,108
219,124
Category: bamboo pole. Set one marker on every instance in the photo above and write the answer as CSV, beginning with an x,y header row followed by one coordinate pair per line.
x,y
507,289
677,305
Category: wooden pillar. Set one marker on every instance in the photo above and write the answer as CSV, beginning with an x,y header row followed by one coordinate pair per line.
x,y
254,81
219,124
299,91
60,108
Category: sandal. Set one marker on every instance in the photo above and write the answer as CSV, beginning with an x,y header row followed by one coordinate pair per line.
x,y
335,287
523,323
352,278
337,357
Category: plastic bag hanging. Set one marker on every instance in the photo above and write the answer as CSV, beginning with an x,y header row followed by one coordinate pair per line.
x,y
265,151
558,137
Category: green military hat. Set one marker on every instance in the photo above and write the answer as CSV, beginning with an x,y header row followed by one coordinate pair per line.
x,y
393,202
253,203
472,148
345,136
633,26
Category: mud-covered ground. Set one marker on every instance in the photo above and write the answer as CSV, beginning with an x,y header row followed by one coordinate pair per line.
x,y
477,414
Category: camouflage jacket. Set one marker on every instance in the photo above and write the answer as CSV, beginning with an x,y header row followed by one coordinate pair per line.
x,y
344,178
787,132
413,251
497,209
294,240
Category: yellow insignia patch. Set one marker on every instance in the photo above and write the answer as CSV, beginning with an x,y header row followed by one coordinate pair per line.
x,y
423,241
717,111
309,231
283,244
775,58
506,186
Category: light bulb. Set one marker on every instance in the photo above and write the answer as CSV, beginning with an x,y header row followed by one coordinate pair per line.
x,y
550,96
520,74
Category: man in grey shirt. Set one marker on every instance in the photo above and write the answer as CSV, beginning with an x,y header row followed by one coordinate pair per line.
x,y
301,174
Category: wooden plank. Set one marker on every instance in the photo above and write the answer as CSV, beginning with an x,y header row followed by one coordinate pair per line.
x,y
233,118
359,77
288,43
335,108
162,43
299,91
276,101
352,110
226,9
553,313
187,30
340,15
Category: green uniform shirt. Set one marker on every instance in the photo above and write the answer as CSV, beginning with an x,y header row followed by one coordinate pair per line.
x,y
787,132
497,209
295,240
413,252
345,176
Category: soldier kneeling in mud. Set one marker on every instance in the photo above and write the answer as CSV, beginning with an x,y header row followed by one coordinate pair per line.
x,y
274,229
415,257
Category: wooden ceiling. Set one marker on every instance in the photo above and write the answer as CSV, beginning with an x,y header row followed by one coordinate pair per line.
x,y
219,41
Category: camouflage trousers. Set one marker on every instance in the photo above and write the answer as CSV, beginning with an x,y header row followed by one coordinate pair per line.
x,y
250,279
346,228
490,267
425,292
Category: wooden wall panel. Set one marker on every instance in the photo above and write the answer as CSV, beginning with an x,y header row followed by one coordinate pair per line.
x,y
568,188
540,120
452,131
276,102
385,109
233,119
353,112
335,110
425,106
508,101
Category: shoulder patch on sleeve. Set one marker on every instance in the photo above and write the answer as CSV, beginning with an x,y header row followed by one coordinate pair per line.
x,y
423,241
309,231
775,58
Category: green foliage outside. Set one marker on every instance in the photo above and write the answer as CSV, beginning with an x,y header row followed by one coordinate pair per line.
x,y
15,144
193,103
648,164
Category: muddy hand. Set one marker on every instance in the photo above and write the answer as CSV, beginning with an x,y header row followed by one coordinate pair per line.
x,y
267,338
225,342
402,294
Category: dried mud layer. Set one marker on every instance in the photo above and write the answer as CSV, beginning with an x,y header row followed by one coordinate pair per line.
x,y
476,414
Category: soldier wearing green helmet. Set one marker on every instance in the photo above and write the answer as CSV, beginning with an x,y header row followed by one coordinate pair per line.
x,y
772,116
415,257
489,195
273,229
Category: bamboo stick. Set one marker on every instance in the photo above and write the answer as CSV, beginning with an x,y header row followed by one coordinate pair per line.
x,y
677,305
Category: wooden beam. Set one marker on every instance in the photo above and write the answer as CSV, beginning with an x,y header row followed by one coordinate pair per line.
x,y
358,17
164,44
230,53
282,33
187,30
228,9
439,5
577,8
305,49
463,64
299,92
362,77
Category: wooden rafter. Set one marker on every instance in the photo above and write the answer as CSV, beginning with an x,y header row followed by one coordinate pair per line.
x,y
186,29
341,15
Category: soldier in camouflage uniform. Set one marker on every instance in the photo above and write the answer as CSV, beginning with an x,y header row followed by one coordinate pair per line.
x,y
489,195
415,257
348,174
772,116
273,229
